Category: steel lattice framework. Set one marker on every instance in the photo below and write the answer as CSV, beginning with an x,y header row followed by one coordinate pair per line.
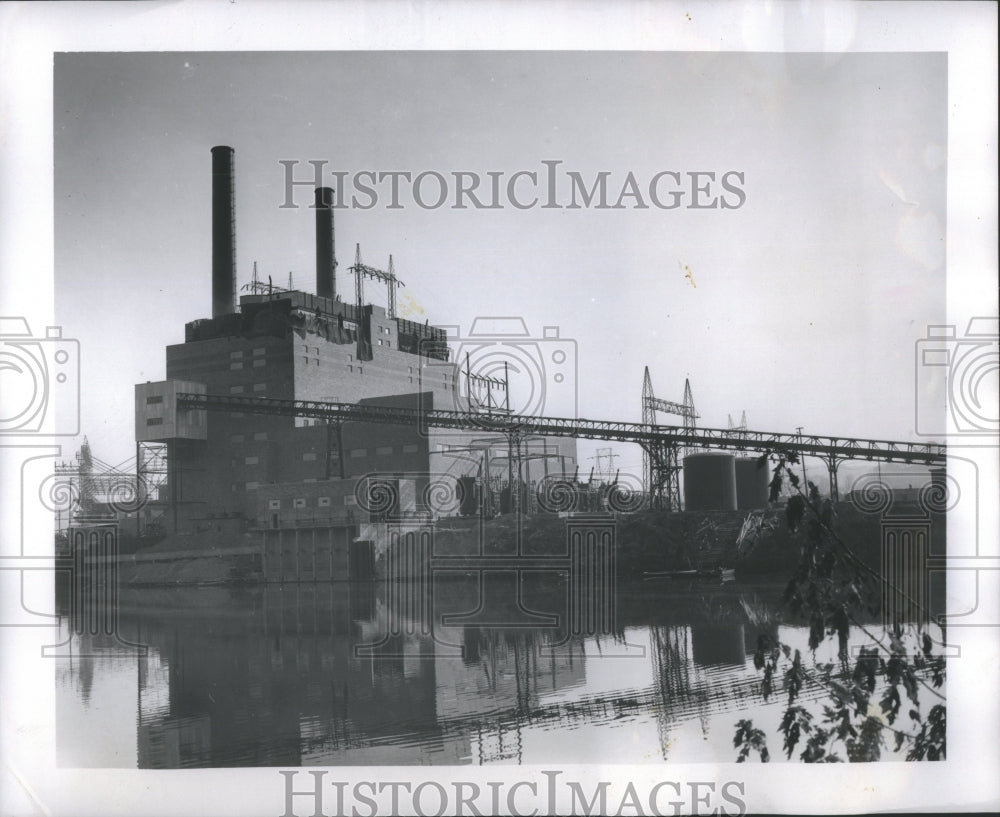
x,y
651,436
661,461
362,271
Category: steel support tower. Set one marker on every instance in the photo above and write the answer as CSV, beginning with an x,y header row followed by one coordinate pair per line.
x,y
661,460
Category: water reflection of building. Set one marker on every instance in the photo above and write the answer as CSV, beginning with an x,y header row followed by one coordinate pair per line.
x,y
278,680
505,674
277,676
702,667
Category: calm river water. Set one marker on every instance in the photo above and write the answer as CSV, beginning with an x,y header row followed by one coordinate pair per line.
x,y
351,673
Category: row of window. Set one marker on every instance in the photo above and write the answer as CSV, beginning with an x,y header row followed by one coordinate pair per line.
x,y
382,451
236,365
239,438
257,387
311,456
301,502
238,355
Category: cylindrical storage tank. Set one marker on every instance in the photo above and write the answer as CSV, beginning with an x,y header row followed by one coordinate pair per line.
x,y
710,482
752,483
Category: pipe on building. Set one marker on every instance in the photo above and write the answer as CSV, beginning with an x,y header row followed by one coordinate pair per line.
x,y
326,258
223,233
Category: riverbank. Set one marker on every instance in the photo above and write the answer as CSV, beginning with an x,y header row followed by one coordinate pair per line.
x,y
644,542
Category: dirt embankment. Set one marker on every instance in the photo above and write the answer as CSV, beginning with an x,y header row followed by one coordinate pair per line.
x,y
647,541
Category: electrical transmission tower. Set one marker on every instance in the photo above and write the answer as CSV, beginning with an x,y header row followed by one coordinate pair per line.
x,y
604,468
362,271
741,426
662,461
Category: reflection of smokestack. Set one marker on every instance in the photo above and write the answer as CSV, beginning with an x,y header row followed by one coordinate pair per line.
x,y
223,233
326,260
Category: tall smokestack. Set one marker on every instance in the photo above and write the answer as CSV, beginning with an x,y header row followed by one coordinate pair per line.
x,y
326,257
223,233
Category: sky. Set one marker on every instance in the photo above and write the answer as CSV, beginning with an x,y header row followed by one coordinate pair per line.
x,y
801,307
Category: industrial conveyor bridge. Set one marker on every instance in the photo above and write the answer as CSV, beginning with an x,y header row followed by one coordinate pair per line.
x,y
833,450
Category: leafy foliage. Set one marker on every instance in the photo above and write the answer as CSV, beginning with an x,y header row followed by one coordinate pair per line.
x,y
749,739
833,591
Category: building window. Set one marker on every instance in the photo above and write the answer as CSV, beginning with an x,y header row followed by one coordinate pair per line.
x,y
260,435
274,504
236,355
259,351
323,502
350,357
361,370
410,369
410,448
235,367
252,486
251,460
350,368
380,341
236,438
357,453
383,450
388,344
259,362
150,401
351,501
315,350
259,387
298,502
309,456
236,390
305,360
154,421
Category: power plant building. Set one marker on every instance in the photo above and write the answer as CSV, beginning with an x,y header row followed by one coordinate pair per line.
x,y
222,467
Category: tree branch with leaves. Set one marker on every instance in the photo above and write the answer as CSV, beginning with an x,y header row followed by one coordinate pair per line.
x,y
832,591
